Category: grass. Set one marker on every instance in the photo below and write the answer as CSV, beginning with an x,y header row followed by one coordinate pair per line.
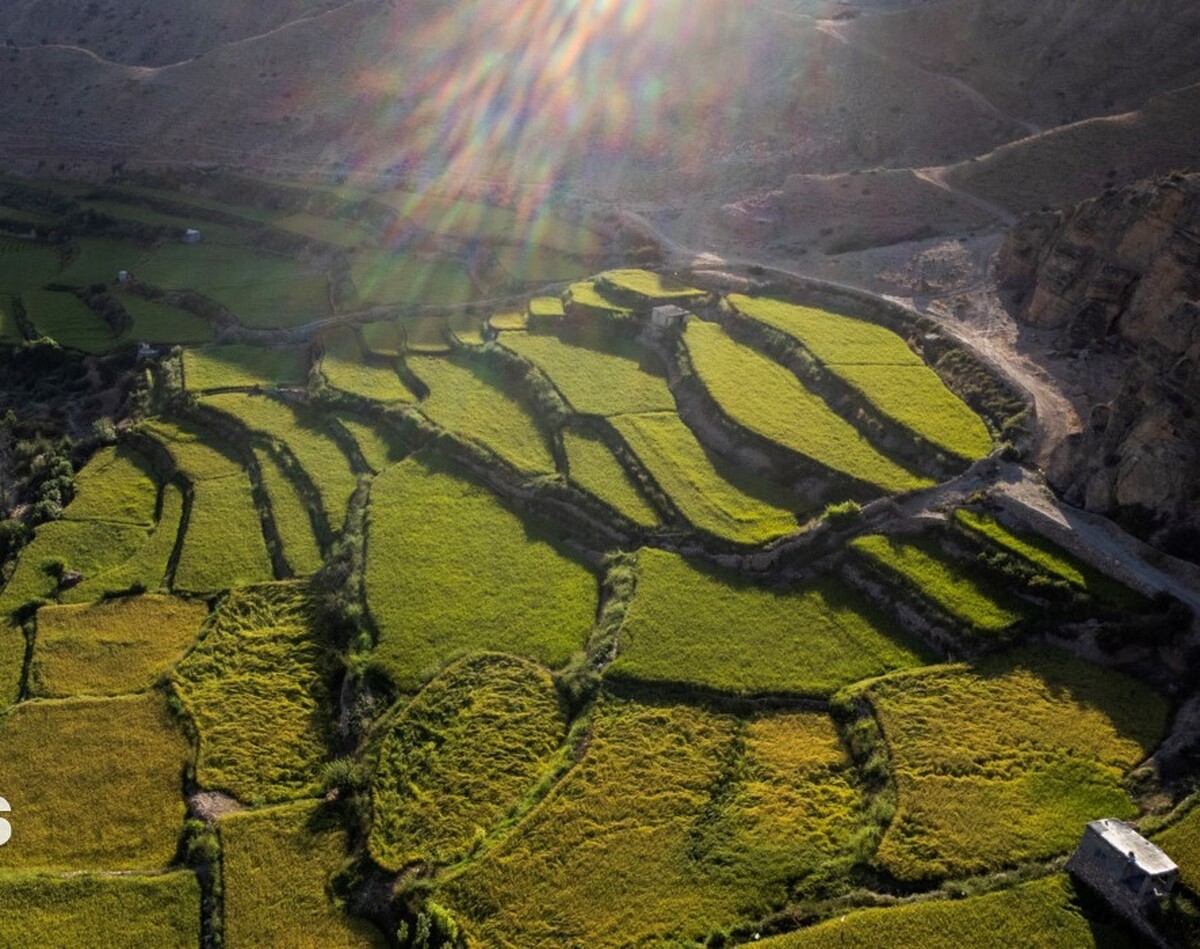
x,y
238,366
345,367
383,338
67,320
676,822
498,721
594,469
262,290
90,910
545,307
450,571
939,581
223,546
10,330
469,400
621,381
649,286
765,398
99,260
587,293
86,547
379,446
1042,914
159,323
832,338
381,277
93,783
290,513
25,265
256,687
690,477
513,320
116,485
697,625
112,646
328,230
277,864
916,397
1004,762
318,454
1181,841
147,568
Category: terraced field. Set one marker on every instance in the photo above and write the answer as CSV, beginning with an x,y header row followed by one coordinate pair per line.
x,y
596,470
695,860
698,626
700,489
157,323
1005,761
67,320
882,369
763,397
621,381
648,286
345,367
499,721
290,515
469,401
233,367
503,585
255,686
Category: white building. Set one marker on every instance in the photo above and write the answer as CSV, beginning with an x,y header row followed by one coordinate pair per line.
x,y
1122,866
191,236
667,317
122,276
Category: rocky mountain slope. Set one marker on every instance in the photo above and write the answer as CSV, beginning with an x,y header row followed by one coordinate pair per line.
x,y
1122,272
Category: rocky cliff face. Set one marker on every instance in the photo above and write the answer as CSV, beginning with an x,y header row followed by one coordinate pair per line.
x,y
1122,272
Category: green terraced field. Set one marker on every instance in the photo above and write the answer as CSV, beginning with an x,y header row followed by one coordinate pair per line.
x,y
100,259
499,721
649,286
1004,762
328,230
255,686
513,320
344,367
544,307
832,338
595,469
1181,841
930,576
262,290
318,454
158,323
699,488
468,400
624,380
587,293
112,646
229,367
381,447
147,568
116,485
90,910
765,398
26,266
500,585
1044,913
67,320
277,863
700,626
55,756
224,546
381,277
539,264
292,521
676,822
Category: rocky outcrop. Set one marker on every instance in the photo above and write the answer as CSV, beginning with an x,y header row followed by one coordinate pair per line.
x,y
1122,272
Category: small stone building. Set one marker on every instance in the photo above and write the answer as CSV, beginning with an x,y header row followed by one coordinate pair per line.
x,y
191,236
667,317
1122,866
122,276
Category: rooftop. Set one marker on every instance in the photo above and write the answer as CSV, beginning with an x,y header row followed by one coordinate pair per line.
x,y
1120,836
